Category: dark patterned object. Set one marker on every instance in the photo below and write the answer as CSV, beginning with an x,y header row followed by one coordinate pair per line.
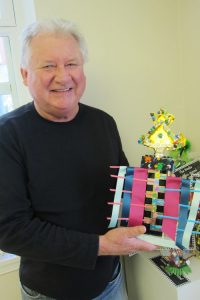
x,y
164,164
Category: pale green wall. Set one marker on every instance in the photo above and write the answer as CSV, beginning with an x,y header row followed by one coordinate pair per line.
x,y
190,67
143,56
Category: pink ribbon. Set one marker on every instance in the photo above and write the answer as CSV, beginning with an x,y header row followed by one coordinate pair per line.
x,y
138,197
171,207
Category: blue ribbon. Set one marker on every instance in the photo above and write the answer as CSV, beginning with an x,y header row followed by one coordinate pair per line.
x,y
127,197
192,217
183,212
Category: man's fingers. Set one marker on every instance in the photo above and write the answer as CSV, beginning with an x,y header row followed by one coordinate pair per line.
x,y
135,231
123,240
140,245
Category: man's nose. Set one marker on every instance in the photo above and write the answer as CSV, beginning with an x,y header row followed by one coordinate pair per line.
x,y
62,73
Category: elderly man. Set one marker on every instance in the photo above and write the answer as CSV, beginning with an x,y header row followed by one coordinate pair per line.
x,y
55,155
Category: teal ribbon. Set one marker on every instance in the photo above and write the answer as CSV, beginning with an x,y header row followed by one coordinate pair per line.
x,y
183,212
127,196
192,217
117,197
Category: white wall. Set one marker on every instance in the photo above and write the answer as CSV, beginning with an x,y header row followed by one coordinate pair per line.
x,y
140,60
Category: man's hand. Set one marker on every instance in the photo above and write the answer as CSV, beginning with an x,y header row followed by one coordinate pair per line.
x,y
123,241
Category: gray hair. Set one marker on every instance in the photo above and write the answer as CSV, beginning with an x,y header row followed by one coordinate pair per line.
x,y
55,26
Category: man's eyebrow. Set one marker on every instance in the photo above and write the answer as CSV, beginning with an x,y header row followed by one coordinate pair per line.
x,y
67,60
47,61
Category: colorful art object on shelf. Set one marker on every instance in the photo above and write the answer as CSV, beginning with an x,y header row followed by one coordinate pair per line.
x,y
160,138
176,263
166,205
181,156
163,164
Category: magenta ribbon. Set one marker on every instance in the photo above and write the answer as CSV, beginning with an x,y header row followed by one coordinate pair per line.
x,y
171,206
138,196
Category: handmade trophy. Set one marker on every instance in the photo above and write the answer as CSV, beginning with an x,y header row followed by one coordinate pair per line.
x,y
153,196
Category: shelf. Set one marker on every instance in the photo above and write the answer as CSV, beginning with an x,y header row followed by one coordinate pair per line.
x,y
8,263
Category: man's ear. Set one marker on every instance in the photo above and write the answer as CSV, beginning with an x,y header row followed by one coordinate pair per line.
x,y
24,74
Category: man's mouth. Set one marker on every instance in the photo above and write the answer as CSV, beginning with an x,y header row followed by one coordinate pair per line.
x,y
61,90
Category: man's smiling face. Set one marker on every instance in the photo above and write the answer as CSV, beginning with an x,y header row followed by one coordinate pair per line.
x,y
55,76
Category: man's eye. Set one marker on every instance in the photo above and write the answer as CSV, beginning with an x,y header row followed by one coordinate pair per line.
x,y
48,67
71,65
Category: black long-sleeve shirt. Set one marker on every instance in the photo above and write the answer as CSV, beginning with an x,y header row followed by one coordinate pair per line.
x,y
54,188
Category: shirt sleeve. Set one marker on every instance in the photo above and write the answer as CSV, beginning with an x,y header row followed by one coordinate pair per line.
x,y
21,232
